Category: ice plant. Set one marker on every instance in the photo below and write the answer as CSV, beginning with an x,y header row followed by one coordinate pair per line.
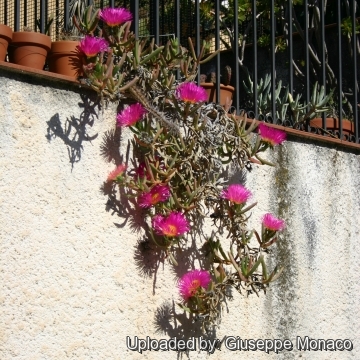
x,y
180,144
91,46
173,225
130,115
271,136
115,16
159,193
141,171
272,223
117,173
236,194
192,282
190,92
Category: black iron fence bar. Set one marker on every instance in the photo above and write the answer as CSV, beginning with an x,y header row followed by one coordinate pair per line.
x,y
197,34
42,16
290,45
134,8
217,46
177,29
235,46
255,74
25,13
66,14
112,3
17,15
322,46
273,71
307,65
156,7
355,85
5,12
339,80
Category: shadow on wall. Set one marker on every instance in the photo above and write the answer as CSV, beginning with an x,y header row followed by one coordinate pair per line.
x,y
75,130
181,326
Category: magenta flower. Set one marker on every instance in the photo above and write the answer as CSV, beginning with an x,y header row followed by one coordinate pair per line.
x,y
270,135
192,281
115,16
272,223
117,173
159,193
190,92
141,171
91,46
236,193
173,225
130,115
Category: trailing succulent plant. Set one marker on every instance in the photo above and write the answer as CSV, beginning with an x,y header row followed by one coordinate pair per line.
x,y
181,145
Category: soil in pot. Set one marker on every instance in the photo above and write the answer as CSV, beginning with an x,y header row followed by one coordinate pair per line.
x,y
65,58
5,39
29,49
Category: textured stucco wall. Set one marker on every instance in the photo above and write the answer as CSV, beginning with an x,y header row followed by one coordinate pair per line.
x,y
74,283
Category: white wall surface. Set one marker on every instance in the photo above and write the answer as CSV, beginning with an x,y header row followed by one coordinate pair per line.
x,y
74,283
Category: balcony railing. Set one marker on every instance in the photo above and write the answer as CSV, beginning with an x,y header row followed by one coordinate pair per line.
x,y
286,58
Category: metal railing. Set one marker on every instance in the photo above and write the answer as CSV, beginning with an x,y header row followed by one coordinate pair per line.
x,y
286,59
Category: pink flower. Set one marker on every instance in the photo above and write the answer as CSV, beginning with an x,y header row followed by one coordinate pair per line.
x,y
271,136
174,225
115,16
192,281
117,173
130,115
236,193
272,223
91,46
159,193
141,171
190,92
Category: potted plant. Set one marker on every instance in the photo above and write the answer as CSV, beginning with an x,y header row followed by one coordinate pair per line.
x,y
5,39
332,124
65,57
226,90
29,48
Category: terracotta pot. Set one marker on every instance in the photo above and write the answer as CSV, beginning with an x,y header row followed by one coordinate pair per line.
x,y
5,39
226,94
65,58
29,49
332,124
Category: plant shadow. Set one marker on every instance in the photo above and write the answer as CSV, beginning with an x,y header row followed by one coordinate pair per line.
x,y
75,130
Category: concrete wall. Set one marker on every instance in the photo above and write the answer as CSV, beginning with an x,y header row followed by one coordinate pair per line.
x,y
75,281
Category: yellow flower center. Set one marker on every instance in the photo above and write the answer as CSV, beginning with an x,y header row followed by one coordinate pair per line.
x,y
155,198
195,284
170,230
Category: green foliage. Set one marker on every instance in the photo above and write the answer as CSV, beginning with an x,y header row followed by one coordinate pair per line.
x,y
183,144
299,112
347,29
47,28
264,96
318,104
